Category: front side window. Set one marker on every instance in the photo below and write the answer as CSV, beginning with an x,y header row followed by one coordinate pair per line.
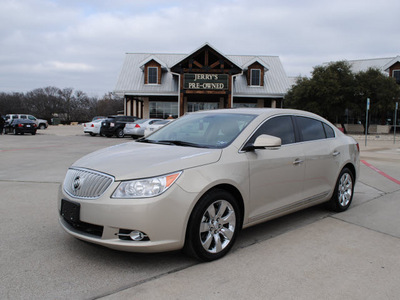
x,y
255,77
281,127
152,75
310,129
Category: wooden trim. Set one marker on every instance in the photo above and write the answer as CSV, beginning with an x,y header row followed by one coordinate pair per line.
x,y
152,64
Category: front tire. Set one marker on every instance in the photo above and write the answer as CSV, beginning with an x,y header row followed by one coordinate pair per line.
x,y
213,226
343,193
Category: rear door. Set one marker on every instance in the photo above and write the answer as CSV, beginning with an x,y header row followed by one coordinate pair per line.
x,y
321,157
276,176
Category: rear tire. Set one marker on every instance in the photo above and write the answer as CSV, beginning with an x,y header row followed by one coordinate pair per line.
x,y
213,226
343,193
120,133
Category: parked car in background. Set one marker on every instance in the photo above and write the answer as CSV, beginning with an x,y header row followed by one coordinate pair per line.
x,y
137,128
195,183
114,125
40,123
92,127
156,125
20,126
98,117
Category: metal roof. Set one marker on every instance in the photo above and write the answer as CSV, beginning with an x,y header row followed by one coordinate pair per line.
x,y
382,64
131,77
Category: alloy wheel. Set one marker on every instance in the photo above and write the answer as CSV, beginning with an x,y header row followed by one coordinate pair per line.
x,y
217,226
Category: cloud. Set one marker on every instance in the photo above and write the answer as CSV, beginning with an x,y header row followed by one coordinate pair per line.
x,y
82,43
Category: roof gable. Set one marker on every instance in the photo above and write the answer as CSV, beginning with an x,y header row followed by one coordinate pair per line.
x,y
206,58
150,58
391,63
256,60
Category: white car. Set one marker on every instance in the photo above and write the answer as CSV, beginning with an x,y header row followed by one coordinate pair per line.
x,y
137,128
92,127
195,183
156,125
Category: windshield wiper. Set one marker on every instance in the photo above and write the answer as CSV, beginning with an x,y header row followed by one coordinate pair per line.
x,y
181,143
171,142
145,140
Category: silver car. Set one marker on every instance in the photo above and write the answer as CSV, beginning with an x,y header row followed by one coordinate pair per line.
x,y
195,183
137,128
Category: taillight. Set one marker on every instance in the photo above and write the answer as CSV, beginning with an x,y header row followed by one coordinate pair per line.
x,y
20,125
358,147
92,125
137,126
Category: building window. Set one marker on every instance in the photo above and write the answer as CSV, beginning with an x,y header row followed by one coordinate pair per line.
x,y
239,105
152,75
396,75
163,110
255,77
196,106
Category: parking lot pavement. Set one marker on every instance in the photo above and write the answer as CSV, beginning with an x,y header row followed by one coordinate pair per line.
x,y
311,254
352,255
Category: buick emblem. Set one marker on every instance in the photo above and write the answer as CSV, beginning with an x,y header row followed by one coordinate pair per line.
x,y
76,184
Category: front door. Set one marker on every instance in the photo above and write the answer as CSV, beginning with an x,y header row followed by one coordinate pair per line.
x,y
276,176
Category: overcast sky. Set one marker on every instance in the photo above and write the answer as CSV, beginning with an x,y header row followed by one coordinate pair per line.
x,y
82,44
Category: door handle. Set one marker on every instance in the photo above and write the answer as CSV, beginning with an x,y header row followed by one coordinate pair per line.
x,y
336,153
298,161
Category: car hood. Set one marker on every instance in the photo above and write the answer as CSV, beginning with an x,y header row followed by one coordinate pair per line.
x,y
140,160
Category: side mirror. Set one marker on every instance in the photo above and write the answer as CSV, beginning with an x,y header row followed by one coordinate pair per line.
x,y
265,141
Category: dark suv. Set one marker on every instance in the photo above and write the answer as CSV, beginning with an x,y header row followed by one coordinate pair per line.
x,y
114,125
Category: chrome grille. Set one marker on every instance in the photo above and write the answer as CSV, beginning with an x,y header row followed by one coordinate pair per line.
x,y
86,184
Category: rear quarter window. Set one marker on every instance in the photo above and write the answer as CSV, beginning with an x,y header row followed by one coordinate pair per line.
x,y
330,133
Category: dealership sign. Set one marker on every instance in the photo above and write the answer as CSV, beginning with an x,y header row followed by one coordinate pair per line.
x,y
205,81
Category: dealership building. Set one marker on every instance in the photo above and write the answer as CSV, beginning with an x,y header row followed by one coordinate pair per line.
x,y
159,85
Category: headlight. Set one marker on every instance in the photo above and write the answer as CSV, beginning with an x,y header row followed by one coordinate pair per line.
x,y
148,187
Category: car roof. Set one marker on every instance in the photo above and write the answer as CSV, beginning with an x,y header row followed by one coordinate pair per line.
x,y
261,111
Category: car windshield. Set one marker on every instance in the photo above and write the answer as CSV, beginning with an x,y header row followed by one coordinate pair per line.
x,y
203,130
161,122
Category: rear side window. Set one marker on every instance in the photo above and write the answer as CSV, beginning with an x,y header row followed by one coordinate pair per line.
x,y
281,127
310,129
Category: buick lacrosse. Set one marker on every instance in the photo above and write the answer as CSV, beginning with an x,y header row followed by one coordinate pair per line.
x,y
195,183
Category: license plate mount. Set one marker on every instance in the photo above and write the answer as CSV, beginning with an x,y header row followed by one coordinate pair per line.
x,y
70,211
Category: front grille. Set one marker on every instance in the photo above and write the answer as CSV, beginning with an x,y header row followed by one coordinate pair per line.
x,y
86,184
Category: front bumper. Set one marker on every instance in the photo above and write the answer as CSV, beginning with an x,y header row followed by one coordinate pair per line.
x,y
163,219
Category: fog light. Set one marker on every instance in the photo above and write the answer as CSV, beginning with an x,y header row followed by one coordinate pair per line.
x,y
137,235
132,235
